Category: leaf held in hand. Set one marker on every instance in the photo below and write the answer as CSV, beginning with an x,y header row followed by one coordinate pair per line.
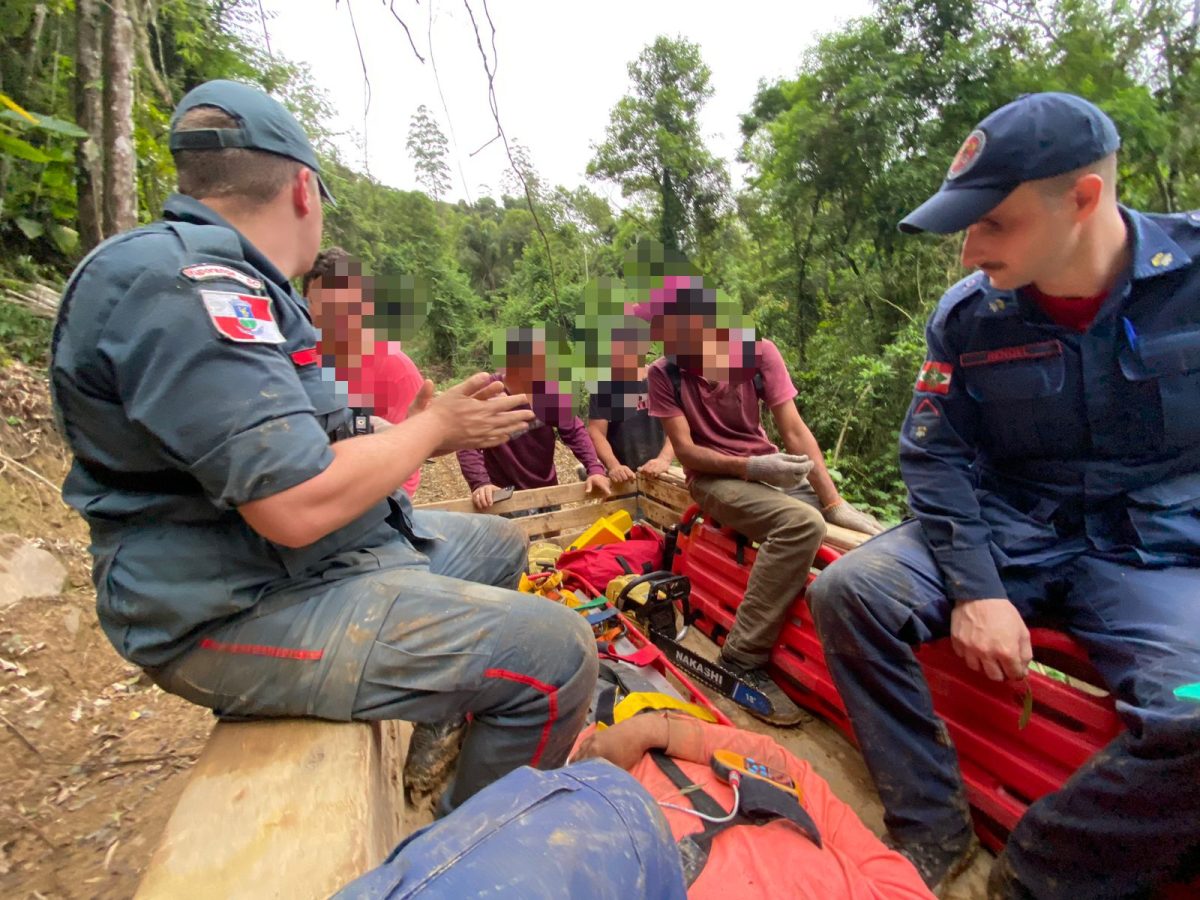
x,y
1026,707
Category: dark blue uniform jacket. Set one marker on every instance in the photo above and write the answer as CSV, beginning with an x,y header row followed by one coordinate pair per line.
x,y
1028,443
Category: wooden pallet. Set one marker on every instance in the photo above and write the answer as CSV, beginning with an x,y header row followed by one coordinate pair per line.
x,y
569,511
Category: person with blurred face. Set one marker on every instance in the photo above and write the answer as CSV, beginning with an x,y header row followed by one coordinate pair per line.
x,y
527,461
708,390
380,379
1052,457
627,438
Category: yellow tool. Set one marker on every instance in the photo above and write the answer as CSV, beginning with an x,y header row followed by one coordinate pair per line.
x,y
639,594
543,555
606,530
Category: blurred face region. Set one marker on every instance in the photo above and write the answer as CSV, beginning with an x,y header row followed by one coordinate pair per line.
x,y
341,312
698,345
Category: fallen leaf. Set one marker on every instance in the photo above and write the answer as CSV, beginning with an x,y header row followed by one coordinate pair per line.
x,y
9,666
134,715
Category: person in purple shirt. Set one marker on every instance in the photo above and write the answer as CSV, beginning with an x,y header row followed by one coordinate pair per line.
x,y
708,390
527,461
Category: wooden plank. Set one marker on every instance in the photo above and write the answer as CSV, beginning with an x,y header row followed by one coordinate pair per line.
x,y
580,517
674,475
843,538
532,498
665,492
660,516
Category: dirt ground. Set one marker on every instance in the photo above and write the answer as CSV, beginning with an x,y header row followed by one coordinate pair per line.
x,y
93,756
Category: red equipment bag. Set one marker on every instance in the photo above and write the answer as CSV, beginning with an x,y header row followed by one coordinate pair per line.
x,y
641,552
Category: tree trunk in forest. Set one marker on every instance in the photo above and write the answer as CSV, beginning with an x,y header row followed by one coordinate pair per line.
x,y
120,161
88,115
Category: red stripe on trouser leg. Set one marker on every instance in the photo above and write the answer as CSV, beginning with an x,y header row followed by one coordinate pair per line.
x,y
261,650
551,698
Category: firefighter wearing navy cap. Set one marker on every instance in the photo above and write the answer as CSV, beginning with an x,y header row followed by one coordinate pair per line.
x,y
249,552
1052,457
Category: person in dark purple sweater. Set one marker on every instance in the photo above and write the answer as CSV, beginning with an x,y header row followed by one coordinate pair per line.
x,y
527,461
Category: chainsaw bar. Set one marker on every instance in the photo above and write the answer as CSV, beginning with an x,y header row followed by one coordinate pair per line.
x,y
713,675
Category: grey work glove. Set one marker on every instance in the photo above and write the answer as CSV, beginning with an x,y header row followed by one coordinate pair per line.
x,y
780,469
846,516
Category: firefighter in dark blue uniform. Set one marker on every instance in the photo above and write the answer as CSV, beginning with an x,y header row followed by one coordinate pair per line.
x,y
1052,457
249,558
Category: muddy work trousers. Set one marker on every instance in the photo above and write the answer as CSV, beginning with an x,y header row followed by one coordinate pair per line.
x,y
425,630
1130,817
788,529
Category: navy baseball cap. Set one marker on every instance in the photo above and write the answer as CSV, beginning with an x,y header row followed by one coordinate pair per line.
x,y
263,124
1035,136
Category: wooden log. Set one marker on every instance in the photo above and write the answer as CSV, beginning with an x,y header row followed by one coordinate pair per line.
x,y
290,808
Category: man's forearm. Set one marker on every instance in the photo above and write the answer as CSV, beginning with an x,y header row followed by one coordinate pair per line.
x,y
711,462
604,450
364,470
667,453
801,441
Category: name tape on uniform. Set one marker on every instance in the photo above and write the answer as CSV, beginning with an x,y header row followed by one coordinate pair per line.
x,y
242,317
213,272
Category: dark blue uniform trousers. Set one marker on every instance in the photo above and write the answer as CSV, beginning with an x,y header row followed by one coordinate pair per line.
x,y
425,631
1129,817
586,831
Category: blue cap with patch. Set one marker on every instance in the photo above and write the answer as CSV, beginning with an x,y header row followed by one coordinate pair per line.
x,y
1036,136
263,124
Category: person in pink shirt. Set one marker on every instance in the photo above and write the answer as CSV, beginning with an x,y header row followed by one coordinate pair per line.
x,y
709,389
378,376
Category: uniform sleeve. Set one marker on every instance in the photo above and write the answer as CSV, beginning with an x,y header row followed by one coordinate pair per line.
x,y
937,450
579,442
473,468
660,395
234,415
777,383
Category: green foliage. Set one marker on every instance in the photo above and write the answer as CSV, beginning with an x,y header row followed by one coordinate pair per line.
x,y
429,148
24,336
654,149
836,155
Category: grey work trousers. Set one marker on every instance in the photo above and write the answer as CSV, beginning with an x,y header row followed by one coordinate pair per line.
x,y
424,631
788,528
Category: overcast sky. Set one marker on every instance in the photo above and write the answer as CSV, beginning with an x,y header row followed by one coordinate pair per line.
x,y
561,67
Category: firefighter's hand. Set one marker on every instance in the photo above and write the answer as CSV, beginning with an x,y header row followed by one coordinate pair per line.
x,y
478,414
991,638
599,484
844,515
784,470
654,467
482,496
619,474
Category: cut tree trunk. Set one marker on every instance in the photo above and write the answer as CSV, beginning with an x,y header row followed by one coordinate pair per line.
x,y
88,114
120,160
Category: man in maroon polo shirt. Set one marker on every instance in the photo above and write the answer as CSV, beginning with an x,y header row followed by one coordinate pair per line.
x,y
527,461
707,389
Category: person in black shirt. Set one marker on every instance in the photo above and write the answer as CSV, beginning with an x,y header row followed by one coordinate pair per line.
x,y
628,439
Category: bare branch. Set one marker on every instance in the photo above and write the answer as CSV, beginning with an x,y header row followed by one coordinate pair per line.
x,y
262,17
445,108
490,70
366,85
396,16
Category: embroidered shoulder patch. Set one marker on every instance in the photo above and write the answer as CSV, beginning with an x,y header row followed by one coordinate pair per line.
x,y
935,377
242,318
212,272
